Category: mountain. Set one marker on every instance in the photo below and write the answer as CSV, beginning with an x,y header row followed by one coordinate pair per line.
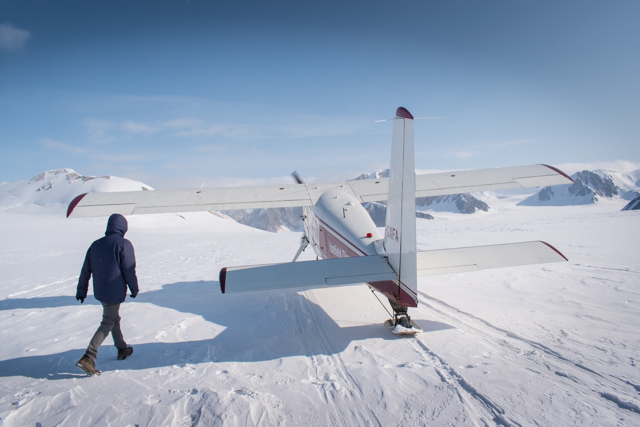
x,y
588,187
53,190
274,219
378,213
457,203
462,203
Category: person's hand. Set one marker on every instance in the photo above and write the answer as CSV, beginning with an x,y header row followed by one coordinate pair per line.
x,y
80,299
133,296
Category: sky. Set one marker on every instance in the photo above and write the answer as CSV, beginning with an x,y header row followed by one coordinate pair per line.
x,y
181,93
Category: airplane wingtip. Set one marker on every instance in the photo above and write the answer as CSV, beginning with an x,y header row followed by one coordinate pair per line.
x,y
560,172
403,113
223,279
74,203
557,251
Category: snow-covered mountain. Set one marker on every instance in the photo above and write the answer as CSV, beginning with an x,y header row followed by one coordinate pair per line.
x,y
53,190
589,187
462,203
274,220
456,203
378,213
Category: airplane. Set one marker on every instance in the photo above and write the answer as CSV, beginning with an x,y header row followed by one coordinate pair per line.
x,y
349,247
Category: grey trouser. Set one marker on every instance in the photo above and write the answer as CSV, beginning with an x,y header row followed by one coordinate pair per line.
x,y
110,323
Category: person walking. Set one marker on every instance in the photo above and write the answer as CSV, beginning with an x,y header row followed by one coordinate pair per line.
x,y
112,262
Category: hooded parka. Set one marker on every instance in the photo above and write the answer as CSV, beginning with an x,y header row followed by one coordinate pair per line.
x,y
112,262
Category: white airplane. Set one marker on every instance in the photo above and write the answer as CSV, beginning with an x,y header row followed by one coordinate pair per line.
x,y
342,233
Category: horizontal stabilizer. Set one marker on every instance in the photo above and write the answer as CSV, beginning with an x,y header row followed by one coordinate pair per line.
x,y
460,260
305,274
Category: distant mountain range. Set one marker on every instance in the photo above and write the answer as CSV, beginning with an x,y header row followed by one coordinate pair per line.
x,y
589,187
50,192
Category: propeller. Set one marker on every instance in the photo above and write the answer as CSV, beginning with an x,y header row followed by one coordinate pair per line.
x,y
295,176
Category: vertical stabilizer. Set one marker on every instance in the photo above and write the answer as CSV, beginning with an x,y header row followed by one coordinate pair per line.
x,y
400,230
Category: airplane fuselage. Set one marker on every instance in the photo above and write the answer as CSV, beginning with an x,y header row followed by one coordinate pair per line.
x,y
337,226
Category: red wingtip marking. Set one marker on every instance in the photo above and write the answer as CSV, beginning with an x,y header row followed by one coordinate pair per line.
x,y
223,279
74,203
557,251
404,113
560,172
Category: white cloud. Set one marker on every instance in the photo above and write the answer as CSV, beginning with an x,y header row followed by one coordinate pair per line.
x,y
209,148
132,127
61,146
92,153
117,157
98,129
172,166
461,154
12,38
511,143
211,131
181,127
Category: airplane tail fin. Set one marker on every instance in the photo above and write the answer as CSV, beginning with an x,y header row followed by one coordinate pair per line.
x,y
400,229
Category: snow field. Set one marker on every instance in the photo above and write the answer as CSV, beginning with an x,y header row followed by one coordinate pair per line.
x,y
553,344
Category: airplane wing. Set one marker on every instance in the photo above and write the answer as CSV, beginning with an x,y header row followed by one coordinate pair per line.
x,y
283,196
440,184
305,274
461,260
189,200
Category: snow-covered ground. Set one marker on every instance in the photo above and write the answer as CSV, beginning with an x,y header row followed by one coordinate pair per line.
x,y
549,345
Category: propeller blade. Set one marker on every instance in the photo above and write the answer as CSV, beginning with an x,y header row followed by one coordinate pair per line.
x,y
295,176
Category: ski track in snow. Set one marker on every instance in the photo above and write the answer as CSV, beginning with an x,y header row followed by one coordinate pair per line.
x,y
588,381
328,372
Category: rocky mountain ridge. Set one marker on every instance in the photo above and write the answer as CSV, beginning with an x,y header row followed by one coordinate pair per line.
x,y
588,187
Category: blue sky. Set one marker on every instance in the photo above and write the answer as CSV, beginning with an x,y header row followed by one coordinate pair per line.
x,y
176,93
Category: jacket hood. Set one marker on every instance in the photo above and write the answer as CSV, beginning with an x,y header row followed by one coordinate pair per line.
x,y
117,225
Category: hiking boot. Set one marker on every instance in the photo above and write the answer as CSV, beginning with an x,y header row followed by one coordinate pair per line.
x,y
123,353
87,365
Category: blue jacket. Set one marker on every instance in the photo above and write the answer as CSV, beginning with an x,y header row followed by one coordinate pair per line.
x,y
113,264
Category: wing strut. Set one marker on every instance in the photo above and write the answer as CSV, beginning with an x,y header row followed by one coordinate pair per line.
x,y
303,246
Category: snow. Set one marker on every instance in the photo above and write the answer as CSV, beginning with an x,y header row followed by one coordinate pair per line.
x,y
552,344
53,190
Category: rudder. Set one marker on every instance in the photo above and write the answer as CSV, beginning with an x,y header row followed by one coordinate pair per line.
x,y
400,223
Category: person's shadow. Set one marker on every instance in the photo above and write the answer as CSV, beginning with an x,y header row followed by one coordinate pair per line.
x,y
258,326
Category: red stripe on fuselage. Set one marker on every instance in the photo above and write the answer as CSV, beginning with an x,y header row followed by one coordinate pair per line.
x,y
392,289
340,236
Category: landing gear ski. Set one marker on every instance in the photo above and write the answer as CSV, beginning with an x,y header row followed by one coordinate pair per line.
x,y
401,324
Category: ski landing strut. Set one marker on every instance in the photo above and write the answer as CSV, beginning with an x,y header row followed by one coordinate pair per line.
x,y
401,324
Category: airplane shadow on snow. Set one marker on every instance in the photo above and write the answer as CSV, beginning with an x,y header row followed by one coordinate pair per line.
x,y
250,327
